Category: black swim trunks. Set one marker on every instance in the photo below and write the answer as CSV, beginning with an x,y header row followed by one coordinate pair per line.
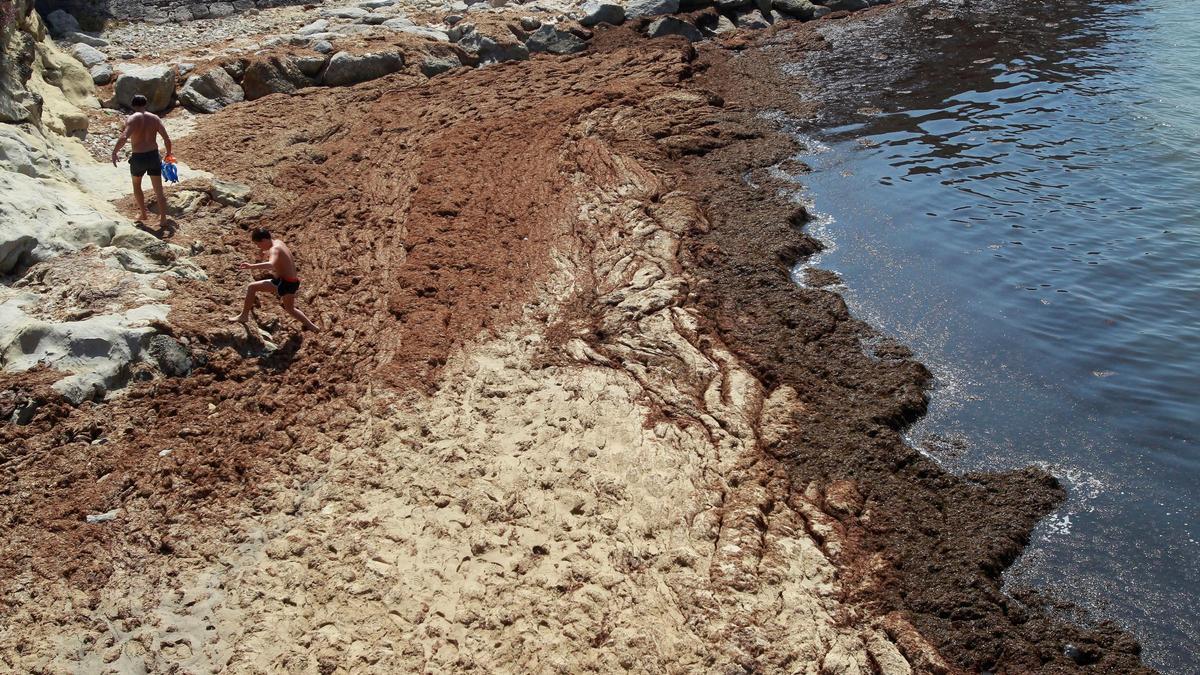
x,y
142,163
285,287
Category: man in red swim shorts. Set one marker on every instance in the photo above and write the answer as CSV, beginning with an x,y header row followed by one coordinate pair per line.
x,y
283,281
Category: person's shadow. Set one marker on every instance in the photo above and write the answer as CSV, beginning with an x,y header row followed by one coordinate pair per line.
x,y
281,359
166,231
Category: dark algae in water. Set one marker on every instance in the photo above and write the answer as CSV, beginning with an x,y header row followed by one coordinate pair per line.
x,y
928,548
1011,189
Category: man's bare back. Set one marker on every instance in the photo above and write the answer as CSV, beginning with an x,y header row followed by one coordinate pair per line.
x,y
142,129
280,257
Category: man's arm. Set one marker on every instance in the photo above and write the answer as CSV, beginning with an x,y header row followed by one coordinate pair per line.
x,y
268,265
120,142
162,131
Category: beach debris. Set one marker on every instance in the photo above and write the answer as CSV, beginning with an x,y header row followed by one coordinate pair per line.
x,y
102,517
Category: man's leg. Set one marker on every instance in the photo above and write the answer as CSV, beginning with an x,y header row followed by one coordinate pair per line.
x,y
139,198
289,306
156,181
264,286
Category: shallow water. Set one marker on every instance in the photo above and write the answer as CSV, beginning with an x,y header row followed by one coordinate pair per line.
x,y
1015,193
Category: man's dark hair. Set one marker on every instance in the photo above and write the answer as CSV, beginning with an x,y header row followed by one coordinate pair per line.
x,y
138,101
259,233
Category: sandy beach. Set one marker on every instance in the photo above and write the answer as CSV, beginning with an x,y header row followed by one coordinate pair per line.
x,y
568,412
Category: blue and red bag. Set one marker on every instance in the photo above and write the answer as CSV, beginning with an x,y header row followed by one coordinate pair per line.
x,y
170,172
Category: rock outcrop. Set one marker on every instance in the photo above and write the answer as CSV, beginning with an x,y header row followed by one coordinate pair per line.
x,y
669,25
38,83
596,12
636,9
210,91
273,75
345,68
86,295
156,83
549,39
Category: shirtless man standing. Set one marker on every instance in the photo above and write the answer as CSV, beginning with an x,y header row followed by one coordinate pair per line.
x,y
283,281
141,130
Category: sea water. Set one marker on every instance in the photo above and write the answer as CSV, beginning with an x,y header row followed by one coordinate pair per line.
x,y
1013,189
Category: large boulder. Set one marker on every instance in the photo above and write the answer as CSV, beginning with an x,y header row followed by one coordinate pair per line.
x,y
436,64
548,39
236,68
846,5
273,75
460,30
62,23
210,91
156,83
229,193
88,56
344,12
669,25
406,26
218,10
101,73
754,19
38,83
345,68
597,12
797,9
488,50
318,26
89,40
172,358
311,65
721,26
637,9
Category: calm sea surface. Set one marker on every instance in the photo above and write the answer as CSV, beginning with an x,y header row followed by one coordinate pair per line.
x,y
1013,189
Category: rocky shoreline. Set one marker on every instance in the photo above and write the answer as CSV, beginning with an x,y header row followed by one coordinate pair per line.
x,y
569,412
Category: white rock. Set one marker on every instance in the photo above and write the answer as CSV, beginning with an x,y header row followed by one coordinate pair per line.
x,y
724,25
423,31
345,68
89,40
344,12
637,9
596,12
230,193
50,206
101,74
103,517
318,26
88,56
156,83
